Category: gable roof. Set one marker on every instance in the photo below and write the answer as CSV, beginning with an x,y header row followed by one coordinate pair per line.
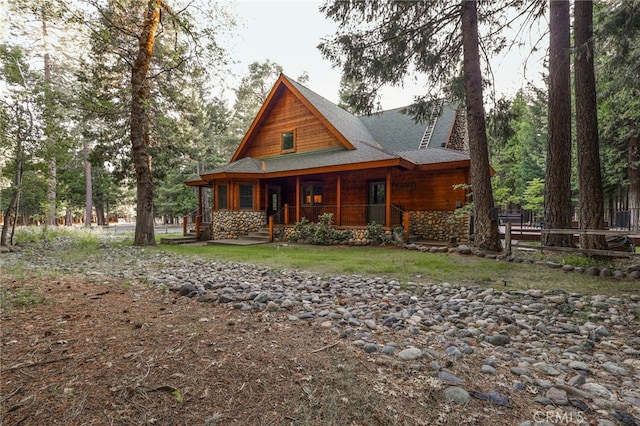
x,y
349,125
389,138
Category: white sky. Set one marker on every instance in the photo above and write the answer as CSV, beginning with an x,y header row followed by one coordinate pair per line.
x,y
288,31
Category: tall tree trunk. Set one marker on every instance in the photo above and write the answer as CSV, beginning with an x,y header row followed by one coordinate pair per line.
x,y
486,230
633,174
100,214
144,234
52,183
88,187
12,207
557,191
68,218
52,208
589,174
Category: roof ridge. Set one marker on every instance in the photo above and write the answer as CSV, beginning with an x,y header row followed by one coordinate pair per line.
x,y
381,148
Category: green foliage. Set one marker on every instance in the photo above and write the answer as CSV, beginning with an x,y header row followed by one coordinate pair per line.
x,y
579,260
188,129
20,298
78,238
173,197
321,233
251,94
398,232
302,231
533,198
517,139
409,266
375,233
617,32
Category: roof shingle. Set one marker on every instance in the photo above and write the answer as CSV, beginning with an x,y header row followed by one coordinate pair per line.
x,y
383,136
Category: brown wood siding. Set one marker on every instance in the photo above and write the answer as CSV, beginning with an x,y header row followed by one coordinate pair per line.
x,y
288,113
427,191
355,186
409,190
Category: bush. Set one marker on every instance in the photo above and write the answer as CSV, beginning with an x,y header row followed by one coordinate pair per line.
x,y
375,233
320,233
341,235
301,231
323,232
398,234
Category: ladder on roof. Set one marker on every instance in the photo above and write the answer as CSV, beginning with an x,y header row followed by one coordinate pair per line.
x,y
433,118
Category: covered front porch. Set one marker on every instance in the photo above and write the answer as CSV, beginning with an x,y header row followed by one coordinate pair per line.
x,y
239,205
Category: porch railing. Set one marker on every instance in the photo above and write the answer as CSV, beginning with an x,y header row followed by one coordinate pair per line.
x,y
350,215
192,221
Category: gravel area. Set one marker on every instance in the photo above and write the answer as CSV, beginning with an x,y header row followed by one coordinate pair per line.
x,y
575,358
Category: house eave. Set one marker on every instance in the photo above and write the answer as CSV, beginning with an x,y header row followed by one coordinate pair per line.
x,y
461,164
393,162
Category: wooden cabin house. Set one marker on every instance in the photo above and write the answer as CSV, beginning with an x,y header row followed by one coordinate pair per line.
x,y
304,156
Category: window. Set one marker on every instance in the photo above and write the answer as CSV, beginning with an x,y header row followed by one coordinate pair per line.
x,y
312,194
222,197
246,196
288,141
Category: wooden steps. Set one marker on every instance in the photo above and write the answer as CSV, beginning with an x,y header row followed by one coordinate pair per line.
x,y
187,239
252,238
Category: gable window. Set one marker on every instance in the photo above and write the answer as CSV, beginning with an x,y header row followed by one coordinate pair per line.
x,y
312,194
288,140
246,196
223,203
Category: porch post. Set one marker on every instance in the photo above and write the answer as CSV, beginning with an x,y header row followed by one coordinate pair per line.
x,y
387,201
257,196
339,203
235,198
286,213
297,199
199,215
406,223
214,195
265,198
270,229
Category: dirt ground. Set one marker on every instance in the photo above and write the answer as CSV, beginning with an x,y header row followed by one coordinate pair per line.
x,y
112,353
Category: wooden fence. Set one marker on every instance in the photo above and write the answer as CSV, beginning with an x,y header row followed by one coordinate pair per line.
x,y
576,233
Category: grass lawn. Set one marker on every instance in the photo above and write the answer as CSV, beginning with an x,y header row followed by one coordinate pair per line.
x,y
415,267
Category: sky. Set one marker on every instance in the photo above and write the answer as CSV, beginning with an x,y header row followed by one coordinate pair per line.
x,y
287,32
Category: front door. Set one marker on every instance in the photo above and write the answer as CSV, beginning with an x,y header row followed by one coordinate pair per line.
x,y
377,202
274,206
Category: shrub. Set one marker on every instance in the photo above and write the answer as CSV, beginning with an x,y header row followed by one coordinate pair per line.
x,y
302,230
398,234
320,233
339,235
375,233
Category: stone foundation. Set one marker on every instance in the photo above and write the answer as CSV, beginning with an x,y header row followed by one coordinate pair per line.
x,y
439,226
229,225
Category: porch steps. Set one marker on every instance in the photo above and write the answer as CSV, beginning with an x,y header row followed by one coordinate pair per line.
x,y
261,235
252,238
187,239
